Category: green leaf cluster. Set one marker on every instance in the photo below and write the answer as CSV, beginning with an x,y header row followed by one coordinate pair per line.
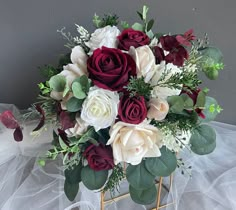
x,y
211,62
141,177
108,19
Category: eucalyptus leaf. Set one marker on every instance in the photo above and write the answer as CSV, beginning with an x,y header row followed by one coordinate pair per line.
x,y
77,90
145,11
188,102
144,197
164,165
176,104
74,104
93,180
71,190
73,175
203,140
138,27
139,177
210,110
57,83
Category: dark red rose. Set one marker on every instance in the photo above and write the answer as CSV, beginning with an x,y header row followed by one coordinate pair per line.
x,y
159,54
130,37
132,109
99,157
177,56
110,68
168,42
193,95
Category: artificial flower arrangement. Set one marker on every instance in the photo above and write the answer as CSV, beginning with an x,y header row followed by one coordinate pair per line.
x,y
126,96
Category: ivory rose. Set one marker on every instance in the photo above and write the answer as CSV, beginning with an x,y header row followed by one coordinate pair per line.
x,y
131,143
79,129
158,109
145,61
100,108
105,36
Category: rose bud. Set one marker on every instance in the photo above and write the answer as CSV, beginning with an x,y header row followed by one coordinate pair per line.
x,y
158,109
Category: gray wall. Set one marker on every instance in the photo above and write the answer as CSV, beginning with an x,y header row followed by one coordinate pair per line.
x,y
28,38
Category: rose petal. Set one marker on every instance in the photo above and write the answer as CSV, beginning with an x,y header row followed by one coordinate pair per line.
x,y
8,120
18,135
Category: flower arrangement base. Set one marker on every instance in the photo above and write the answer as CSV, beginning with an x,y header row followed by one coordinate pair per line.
x,y
164,185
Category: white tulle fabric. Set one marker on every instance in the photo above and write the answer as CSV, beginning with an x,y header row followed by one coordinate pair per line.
x,y
26,186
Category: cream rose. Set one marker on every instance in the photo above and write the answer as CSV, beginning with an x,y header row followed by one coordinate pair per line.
x,y
132,142
79,129
100,108
158,109
145,61
105,36
164,92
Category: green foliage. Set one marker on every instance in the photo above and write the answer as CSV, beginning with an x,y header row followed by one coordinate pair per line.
x,y
212,109
201,100
138,27
211,62
108,19
80,87
145,196
71,190
176,104
137,86
41,162
74,104
93,180
57,83
203,140
124,24
163,165
44,88
139,177
48,71
175,81
114,179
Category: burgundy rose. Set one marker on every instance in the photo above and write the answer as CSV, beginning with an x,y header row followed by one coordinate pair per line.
x,y
99,157
159,54
168,42
132,109
111,68
177,56
130,37
193,95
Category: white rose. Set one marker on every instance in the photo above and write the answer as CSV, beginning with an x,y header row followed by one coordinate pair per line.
x,y
79,57
145,61
176,143
79,129
158,109
106,36
100,108
164,92
132,142
77,68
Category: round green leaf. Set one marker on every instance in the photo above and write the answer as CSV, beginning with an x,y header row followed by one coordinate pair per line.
x,y
74,104
210,110
201,99
138,27
176,103
71,190
57,83
139,177
93,180
203,140
77,90
188,102
144,197
163,165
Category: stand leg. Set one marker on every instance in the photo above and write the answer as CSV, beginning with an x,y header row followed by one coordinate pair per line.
x,y
159,193
102,200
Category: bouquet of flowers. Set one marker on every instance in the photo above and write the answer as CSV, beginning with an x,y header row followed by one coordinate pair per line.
x,y
125,95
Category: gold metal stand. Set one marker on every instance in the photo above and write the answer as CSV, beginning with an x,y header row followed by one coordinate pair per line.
x,y
158,201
